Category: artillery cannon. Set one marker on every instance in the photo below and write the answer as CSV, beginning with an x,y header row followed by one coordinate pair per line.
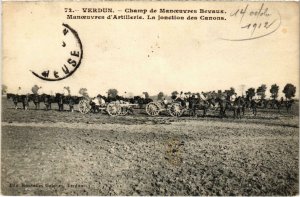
x,y
174,109
113,108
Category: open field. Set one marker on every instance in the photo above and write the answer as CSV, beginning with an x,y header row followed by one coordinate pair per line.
x,y
63,153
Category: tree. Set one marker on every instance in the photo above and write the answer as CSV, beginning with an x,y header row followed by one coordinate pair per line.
x,y
261,91
4,89
83,92
35,89
160,95
289,90
274,91
250,93
146,95
68,89
112,93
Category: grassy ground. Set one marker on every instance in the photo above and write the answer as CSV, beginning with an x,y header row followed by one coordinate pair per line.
x,y
63,153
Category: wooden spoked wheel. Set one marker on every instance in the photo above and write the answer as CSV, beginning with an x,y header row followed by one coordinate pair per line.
x,y
176,110
152,109
84,106
113,109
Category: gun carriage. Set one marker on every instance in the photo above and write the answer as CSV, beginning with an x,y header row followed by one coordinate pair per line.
x,y
175,108
113,108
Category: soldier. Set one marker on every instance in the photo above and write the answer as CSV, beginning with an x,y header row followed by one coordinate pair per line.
x,y
165,101
233,97
202,96
95,104
186,99
101,100
192,105
181,96
46,102
26,102
60,102
71,104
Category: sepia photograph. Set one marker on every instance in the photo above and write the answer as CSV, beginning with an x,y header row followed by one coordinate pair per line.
x,y
152,98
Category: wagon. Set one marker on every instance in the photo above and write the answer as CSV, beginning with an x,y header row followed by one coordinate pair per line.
x,y
113,108
174,109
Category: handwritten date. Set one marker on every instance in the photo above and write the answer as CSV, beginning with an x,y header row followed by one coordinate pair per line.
x,y
255,22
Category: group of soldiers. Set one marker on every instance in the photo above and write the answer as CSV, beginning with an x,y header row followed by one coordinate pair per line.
x,y
188,100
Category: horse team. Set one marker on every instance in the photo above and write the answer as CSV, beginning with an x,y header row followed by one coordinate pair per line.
x,y
190,102
227,102
61,100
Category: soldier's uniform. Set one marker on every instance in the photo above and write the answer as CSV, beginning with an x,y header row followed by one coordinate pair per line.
x,y
233,97
202,96
95,104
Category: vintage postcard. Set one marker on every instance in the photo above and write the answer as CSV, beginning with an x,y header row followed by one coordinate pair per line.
x,y
150,98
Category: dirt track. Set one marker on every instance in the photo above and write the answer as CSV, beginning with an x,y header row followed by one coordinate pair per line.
x,y
140,155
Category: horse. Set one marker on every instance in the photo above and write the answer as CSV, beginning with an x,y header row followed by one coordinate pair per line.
x,y
60,101
47,102
36,100
238,106
140,101
253,106
262,103
288,105
193,102
244,104
70,100
198,103
276,104
24,99
223,104
15,98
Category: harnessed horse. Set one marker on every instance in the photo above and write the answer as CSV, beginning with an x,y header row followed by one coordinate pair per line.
x,y
24,99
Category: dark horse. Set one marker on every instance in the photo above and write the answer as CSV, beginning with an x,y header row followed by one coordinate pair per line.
x,y
251,104
276,104
238,106
223,105
36,98
60,101
288,105
198,103
24,99
48,100
71,101
140,101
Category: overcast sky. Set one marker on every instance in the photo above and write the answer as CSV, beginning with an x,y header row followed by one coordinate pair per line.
x,y
152,56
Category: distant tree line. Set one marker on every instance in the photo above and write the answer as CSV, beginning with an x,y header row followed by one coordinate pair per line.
x,y
289,91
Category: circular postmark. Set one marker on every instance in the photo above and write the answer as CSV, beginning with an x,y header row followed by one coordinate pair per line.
x,y
72,61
